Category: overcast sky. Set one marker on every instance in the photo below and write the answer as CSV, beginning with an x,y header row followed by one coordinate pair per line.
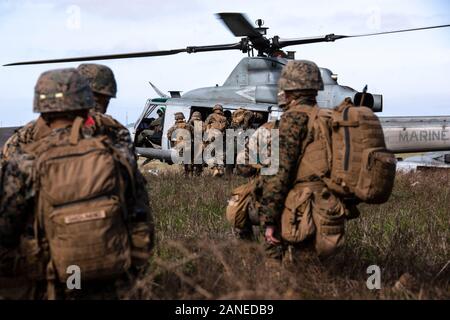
x,y
411,70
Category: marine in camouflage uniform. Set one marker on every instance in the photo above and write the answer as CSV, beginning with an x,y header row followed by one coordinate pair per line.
x,y
178,141
300,81
216,124
18,187
102,82
261,136
197,121
151,136
257,142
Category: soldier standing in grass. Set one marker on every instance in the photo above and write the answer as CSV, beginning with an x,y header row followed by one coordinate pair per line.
x,y
216,124
196,123
180,136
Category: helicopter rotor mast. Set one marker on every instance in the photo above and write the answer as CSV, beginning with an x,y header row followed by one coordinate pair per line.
x,y
239,25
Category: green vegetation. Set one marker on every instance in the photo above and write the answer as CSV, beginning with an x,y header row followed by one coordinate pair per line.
x,y
197,256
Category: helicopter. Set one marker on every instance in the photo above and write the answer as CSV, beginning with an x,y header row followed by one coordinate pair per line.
x,y
252,85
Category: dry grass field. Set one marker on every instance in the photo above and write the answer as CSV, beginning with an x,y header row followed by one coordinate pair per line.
x,y
196,256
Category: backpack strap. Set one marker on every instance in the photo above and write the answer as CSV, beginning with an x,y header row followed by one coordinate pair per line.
x,y
120,158
312,116
75,131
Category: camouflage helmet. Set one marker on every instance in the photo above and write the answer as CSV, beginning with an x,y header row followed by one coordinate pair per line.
x,y
196,115
179,116
300,75
100,77
62,90
218,107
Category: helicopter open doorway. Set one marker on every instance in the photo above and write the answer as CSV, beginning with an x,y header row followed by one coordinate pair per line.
x,y
228,112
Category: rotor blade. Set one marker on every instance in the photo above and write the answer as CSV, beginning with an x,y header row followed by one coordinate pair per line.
x,y
192,49
238,24
102,57
398,31
217,47
281,43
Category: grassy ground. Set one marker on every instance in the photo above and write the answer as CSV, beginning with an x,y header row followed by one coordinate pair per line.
x,y
197,257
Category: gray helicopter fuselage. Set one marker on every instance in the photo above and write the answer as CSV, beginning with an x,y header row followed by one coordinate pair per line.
x,y
255,80
253,85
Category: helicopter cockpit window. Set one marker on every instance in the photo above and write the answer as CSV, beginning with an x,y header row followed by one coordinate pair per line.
x,y
150,129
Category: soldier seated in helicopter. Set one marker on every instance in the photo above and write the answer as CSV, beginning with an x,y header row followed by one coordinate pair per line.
x,y
150,131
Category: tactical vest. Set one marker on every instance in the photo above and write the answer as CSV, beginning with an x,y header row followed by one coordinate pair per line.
x,y
80,211
345,148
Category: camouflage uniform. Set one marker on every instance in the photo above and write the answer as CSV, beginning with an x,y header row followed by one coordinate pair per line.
x,y
102,82
219,123
177,140
96,124
252,171
19,188
152,135
242,119
157,124
261,135
196,120
300,80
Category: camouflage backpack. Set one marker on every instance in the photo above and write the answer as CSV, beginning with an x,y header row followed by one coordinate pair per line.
x,y
349,154
238,117
80,213
218,122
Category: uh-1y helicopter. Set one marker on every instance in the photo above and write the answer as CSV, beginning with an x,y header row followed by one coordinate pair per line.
x,y
253,85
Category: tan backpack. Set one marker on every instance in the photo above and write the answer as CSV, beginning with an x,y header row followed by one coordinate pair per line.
x,y
238,117
237,212
350,154
80,205
217,122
